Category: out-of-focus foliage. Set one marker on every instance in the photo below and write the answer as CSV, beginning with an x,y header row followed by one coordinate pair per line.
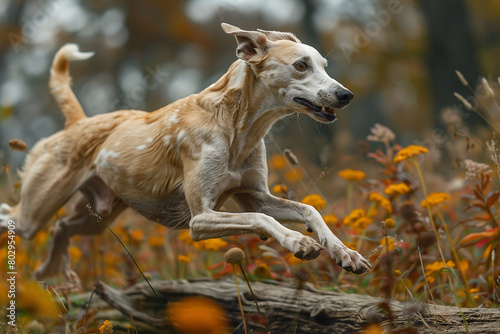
x,y
420,199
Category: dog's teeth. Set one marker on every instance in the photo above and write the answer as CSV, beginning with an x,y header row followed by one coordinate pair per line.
x,y
323,108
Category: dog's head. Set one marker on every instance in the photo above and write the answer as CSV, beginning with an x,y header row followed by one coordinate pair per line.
x,y
292,71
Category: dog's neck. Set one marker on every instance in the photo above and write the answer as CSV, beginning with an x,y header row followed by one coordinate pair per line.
x,y
244,107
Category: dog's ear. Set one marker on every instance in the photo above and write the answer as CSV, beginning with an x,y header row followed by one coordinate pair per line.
x,y
278,35
251,44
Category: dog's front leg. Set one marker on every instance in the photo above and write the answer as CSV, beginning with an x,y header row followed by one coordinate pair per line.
x,y
213,224
289,211
205,180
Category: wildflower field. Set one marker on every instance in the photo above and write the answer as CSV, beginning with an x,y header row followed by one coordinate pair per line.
x,y
426,217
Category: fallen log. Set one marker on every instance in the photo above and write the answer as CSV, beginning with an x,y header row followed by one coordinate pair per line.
x,y
286,309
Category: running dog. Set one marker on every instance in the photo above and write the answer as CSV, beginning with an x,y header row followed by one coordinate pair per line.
x,y
178,164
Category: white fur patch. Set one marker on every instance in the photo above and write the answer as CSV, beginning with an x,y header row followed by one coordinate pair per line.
x,y
180,136
167,139
102,158
143,146
174,118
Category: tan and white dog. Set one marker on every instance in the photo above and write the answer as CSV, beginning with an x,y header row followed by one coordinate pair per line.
x,y
178,164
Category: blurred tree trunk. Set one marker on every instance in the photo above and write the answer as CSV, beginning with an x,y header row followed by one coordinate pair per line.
x,y
451,47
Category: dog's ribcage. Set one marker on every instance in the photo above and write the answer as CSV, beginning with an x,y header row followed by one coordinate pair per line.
x,y
171,211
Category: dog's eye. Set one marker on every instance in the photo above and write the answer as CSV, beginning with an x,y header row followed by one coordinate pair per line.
x,y
300,66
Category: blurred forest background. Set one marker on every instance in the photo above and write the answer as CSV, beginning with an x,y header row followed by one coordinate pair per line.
x,y
398,57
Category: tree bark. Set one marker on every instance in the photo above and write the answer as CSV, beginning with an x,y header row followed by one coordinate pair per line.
x,y
286,309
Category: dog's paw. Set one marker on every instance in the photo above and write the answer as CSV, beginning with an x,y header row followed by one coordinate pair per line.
x,y
304,247
351,260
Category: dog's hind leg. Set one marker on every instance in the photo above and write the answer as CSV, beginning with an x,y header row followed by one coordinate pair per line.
x,y
84,221
43,193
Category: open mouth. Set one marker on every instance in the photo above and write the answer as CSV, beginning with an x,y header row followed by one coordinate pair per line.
x,y
321,112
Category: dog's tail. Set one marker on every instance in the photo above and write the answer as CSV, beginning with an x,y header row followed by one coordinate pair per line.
x,y
60,82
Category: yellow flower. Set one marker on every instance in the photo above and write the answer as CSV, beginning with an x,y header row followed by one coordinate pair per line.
x,y
197,315
397,273
437,266
294,174
352,175
389,223
408,152
75,253
463,265
331,219
185,237
314,200
41,238
388,242
33,299
280,189
278,161
262,271
183,258
106,328
434,199
210,244
382,201
155,241
137,235
292,260
353,216
372,329
397,189
361,224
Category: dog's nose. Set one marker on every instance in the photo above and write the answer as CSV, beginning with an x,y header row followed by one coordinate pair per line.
x,y
344,95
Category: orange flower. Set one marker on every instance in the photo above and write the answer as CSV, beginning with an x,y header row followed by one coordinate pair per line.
x,y
408,152
185,237
361,224
294,174
210,244
278,161
353,216
434,199
397,189
352,175
197,315
291,260
382,201
33,299
106,328
331,219
437,266
280,189
75,254
314,200
372,329
155,241
262,271
388,242
137,235
183,258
